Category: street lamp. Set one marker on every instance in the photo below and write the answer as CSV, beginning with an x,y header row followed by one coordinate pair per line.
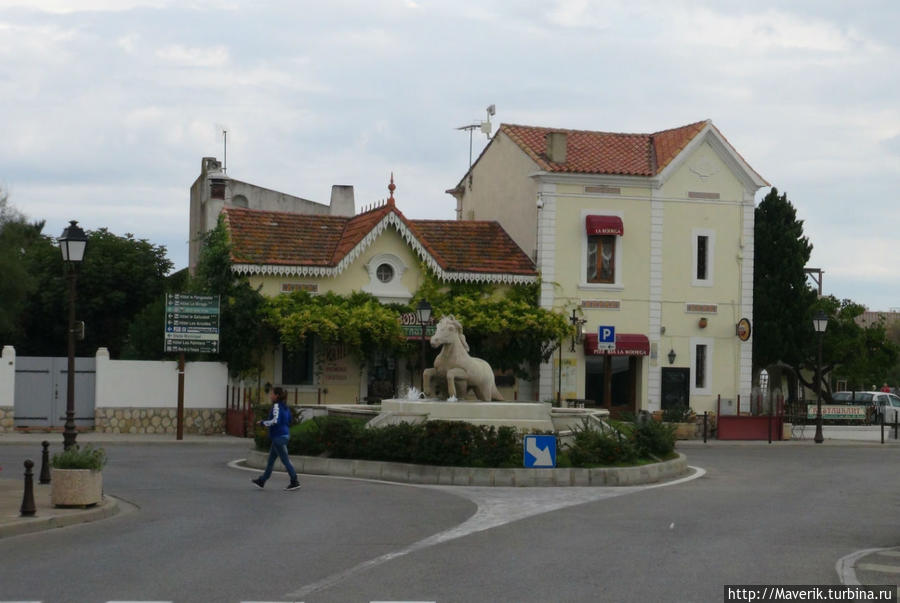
x,y
71,243
578,335
423,313
820,323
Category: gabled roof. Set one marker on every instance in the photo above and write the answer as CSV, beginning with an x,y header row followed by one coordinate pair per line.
x,y
589,152
267,242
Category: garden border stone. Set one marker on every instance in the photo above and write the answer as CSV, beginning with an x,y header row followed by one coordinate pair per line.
x,y
408,473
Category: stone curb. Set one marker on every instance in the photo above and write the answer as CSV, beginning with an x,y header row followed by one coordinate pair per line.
x,y
130,440
472,476
26,525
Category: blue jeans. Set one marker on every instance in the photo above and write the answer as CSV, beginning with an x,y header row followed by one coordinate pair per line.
x,y
279,450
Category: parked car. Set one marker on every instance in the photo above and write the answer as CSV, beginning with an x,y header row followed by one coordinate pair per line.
x,y
882,404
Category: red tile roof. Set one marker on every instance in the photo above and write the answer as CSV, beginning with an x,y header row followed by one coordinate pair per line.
x,y
317,241
589,152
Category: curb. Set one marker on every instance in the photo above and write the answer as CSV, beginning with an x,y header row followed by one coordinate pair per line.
x,y
26,525
131,440
408,473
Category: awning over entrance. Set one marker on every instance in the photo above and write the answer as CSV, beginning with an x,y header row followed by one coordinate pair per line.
x,y
627,344
604,225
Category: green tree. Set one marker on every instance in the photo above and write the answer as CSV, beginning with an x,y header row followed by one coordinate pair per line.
x,y
119,276
17,283
782,298
243,336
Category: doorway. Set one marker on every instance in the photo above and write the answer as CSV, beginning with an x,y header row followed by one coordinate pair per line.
x,y
611,382
676,387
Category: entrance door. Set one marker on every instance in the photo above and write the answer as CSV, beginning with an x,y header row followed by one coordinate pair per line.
x,y
41,389
610,381
676,387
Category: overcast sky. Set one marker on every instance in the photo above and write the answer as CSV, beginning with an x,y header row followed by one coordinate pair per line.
x,y
107,106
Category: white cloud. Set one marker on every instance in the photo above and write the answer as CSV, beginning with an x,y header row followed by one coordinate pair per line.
x,y
185,56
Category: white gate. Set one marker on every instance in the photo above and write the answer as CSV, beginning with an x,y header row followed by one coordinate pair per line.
x,y
41,388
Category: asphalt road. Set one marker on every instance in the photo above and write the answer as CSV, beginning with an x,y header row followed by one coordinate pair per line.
x,y
759,515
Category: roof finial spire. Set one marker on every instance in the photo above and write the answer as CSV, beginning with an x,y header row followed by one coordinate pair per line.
x,y
391,187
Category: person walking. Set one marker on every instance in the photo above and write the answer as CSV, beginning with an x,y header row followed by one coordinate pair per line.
x,y
279,422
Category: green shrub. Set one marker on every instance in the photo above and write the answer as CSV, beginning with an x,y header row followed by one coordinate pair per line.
x,y
654,439
592,448
677,414
77,457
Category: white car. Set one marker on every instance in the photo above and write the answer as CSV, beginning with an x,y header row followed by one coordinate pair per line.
x,y
883,403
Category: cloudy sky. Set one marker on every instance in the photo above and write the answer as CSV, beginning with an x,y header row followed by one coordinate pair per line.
x,y
107,106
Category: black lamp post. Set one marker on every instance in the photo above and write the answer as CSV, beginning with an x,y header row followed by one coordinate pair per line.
x,y
71,243
423,313
820,323
578,323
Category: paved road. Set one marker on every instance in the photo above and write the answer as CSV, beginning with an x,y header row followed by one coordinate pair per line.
x,y
760,514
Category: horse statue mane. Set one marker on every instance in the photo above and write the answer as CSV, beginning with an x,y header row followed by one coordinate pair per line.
x,y
455,364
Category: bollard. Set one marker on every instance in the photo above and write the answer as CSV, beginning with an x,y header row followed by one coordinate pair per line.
x,y
895,425
705,418
882,428
45,463
27,509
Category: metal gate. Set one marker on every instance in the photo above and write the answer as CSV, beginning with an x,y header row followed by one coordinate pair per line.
x,y
41,388
239,412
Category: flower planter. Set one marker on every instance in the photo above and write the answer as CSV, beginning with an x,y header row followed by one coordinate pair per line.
x,y
685,431
75,487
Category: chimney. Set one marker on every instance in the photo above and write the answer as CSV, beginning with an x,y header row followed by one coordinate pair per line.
x,y
342,201
556,147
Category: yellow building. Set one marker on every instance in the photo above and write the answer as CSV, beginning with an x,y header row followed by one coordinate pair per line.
x,y
649,234
380,252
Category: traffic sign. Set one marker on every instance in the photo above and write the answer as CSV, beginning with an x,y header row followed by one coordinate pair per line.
x,y
540,451
606,337
192,323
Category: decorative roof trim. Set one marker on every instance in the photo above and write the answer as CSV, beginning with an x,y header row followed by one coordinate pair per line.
x,y
391,219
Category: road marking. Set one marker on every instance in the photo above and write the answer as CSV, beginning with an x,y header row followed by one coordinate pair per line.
x,y
876,567
497,506
845,566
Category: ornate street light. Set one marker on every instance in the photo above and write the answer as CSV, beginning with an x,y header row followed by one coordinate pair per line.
x,y
72,243
423,313
820,323
578,335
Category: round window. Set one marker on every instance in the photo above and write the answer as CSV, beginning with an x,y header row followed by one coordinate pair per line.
x,y
385,273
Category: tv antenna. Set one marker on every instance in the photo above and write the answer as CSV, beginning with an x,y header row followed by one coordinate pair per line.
x,y
224,130
484,126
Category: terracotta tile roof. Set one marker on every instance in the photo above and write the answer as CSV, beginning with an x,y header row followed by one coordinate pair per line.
x,y
287,239
473,246
589,152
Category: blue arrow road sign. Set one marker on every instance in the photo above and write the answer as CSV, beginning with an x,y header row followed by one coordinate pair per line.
x,y
540,451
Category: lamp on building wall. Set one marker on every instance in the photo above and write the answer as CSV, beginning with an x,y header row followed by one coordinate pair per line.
x,y
423,314
820,323
72,244
578,323
671,356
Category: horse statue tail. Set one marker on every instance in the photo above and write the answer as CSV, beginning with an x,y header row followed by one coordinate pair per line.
x,y
495,394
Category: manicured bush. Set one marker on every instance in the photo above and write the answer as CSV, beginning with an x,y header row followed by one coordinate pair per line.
x,y
592,448
654,439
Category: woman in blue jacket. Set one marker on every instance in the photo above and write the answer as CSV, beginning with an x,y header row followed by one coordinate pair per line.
x,y
279,423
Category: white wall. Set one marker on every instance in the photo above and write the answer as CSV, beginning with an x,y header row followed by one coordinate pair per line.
x,y
8,376
154,383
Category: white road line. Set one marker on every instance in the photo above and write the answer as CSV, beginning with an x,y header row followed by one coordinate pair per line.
x,y
845,566
877,567
497,506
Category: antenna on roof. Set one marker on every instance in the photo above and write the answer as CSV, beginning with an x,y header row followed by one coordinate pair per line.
x,y
484,126
223,129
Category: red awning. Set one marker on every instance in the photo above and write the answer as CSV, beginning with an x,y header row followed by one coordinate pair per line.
x,y
604,225
627,344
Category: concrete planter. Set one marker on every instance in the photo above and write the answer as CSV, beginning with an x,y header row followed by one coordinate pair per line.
x,y
685,431
75,487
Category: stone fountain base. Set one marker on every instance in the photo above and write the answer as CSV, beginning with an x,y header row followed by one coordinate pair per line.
x,y
525,416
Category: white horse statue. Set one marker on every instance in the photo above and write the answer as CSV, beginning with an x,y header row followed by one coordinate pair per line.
x,y
454,363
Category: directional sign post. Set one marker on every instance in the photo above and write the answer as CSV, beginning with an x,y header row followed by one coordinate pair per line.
x,y
192,325
540,451
606,338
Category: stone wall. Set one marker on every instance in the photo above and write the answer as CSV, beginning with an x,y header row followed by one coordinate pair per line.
x,y
201,421
6,418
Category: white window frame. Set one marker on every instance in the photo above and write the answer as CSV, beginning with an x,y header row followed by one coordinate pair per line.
x,y
708,368
582,279
279,360
710,235
393,290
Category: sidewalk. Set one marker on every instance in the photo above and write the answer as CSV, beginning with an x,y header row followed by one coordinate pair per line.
x,y
47,516
19,438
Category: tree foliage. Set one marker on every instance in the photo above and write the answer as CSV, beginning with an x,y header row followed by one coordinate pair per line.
x,y
17,282
782,299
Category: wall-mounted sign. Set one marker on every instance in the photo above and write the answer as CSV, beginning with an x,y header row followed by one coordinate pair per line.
x,y
742,329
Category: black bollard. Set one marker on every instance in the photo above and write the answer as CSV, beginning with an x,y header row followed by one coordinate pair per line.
x,y
45,463
705,423
882,428
895,424
28,509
